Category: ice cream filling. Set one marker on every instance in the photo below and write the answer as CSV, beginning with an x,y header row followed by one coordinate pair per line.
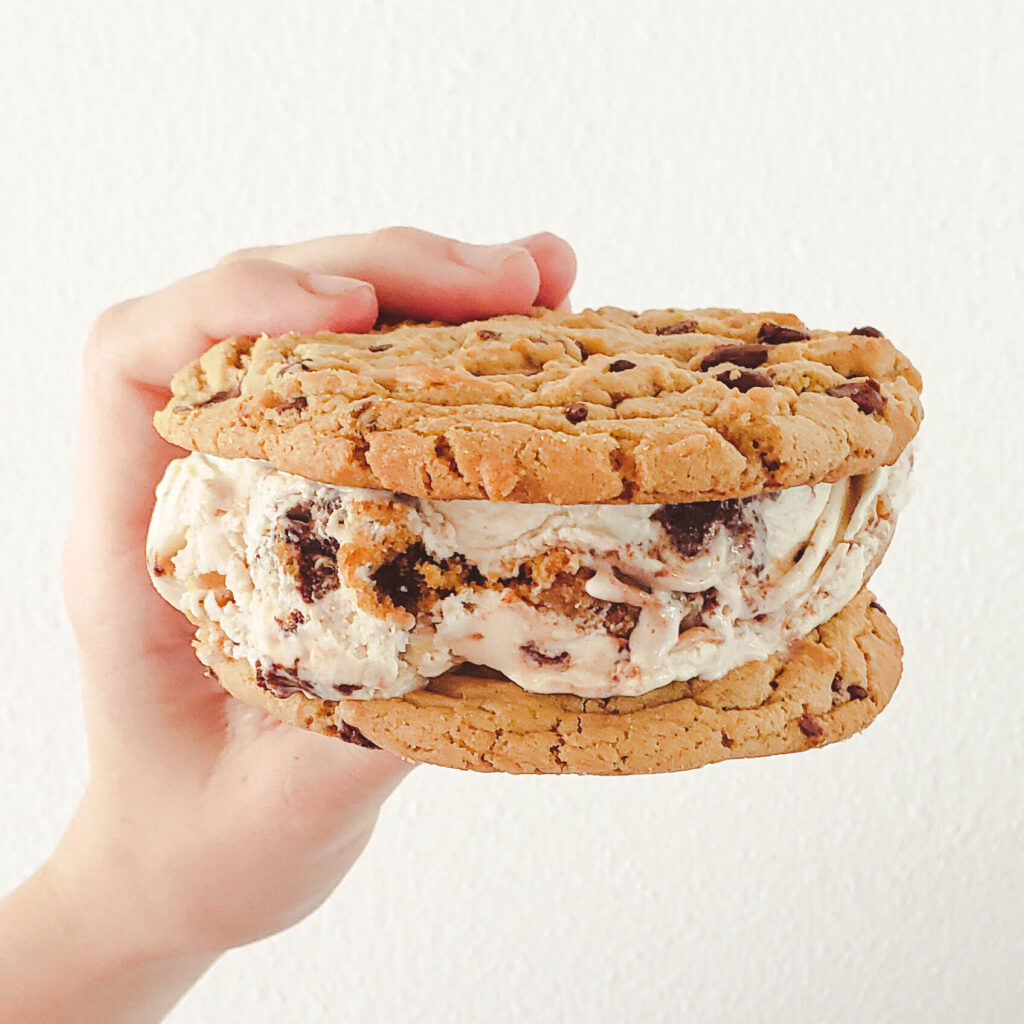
x,y
340,591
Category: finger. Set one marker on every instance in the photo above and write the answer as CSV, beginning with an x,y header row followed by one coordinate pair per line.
x,y
133,351
426,276
136,348
556,263
147,340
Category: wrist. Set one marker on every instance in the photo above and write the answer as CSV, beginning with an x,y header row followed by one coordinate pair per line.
x,y
101,902
68,958
112,890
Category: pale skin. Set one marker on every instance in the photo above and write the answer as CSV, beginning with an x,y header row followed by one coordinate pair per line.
x,y
207,824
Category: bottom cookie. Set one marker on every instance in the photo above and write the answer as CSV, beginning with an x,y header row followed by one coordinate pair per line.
x,y
828,686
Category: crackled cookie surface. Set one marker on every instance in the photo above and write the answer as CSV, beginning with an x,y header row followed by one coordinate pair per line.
x,y
666,406
830,685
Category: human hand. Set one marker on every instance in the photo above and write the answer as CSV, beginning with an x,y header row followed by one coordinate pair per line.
x,y
206,823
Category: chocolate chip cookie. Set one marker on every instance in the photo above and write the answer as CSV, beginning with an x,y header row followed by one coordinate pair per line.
x,y
567,408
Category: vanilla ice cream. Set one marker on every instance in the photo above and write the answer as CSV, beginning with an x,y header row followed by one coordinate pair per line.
x,y
335,591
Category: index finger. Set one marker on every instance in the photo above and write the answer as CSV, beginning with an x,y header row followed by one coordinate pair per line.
x,y
427,276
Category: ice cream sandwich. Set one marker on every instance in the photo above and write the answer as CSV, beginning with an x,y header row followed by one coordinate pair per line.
x,y
599,542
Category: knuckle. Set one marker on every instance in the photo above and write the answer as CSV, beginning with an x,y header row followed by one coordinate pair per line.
x,y
398,235
233,272
106,329
248,253
240,275
108,322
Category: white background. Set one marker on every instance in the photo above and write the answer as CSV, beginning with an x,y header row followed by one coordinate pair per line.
x,y
855,163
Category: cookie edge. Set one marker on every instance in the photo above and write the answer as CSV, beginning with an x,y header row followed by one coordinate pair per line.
x,y
572,737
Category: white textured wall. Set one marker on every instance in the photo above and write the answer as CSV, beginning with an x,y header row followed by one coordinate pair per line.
x,y
851,162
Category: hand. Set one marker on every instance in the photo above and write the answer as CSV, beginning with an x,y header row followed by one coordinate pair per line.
x,y
206,823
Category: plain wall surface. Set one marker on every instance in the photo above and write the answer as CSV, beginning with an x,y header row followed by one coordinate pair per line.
x,y
851,163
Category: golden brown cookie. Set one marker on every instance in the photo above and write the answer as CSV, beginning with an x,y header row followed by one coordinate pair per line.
x,y
831,684
598,406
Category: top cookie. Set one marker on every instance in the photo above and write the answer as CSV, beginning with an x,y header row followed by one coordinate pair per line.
x,y
599,406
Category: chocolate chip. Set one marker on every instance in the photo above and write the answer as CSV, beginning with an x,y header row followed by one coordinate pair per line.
x,y
689,525
472,574
776,334
538,657
399,581
290,622
620,620
220,396
299,524
868,332
282,681
691,620
738,355
744,380
350,734
577,412
857,692
288,367
683,327
837,683
524,574
800,554
727,740
318,569
621,364
877,607
157,569
379,348
866,394
296,403
810,726
486,335
316,562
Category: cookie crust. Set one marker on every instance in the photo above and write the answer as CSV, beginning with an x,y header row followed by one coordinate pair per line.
x,y
598,406
832,684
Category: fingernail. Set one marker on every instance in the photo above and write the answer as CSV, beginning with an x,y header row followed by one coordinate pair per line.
x,y
332,284
488,258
